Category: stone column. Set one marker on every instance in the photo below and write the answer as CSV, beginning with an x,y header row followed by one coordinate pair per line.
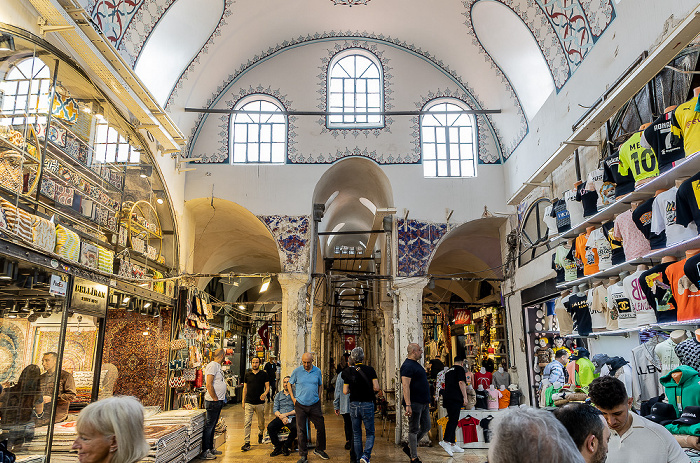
x,y
315,334
388,354
408,328
292,344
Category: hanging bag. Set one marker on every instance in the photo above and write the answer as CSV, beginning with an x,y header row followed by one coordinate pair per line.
x,y
189,374
176,380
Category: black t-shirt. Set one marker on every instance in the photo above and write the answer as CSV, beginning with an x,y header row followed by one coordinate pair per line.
x,y
688,201
485,423
623,183
580,312
271,370
618,253
436,366
667,146
561,274
589,199
579,263
561,213
361,388
482,400
452,391
691,268
420,390
661,298
256,386
641,217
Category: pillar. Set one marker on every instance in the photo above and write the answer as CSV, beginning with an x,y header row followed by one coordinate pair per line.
x,y
293,328
315,334
389,354
408,328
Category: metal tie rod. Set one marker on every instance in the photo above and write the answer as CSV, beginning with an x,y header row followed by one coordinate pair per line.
x,y
350,232
340,113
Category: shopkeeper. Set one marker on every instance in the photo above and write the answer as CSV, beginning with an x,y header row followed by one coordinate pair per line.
x,y
66,389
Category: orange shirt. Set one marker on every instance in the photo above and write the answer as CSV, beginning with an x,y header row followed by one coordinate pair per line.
x,y
504,400
588,255
687,301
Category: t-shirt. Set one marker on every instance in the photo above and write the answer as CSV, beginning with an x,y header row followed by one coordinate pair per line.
x,y
686,124
361,388
420,390
575,208
642,219
255,383
588,255
667,146
306,384
493,396
483,379
452,391
588,196
618,253
578,261
688,201
644,312
598,241
564,320
563,260
645,441
664,218
594,180
504,401
597,300
485,423
611,174
640,161
550,221
577,306
657,289
561,276
609,311
214,369
561,213
468,426
634,243
481,399
685,293
619,301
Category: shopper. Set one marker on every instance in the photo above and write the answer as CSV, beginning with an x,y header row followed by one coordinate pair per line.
x,y
214,400
416,399
531,435
255,388
555,372
454,397
341,405
587,428
66,389
20,406
283,409
270,368
343,363
308,385
111,431
360,381
633,438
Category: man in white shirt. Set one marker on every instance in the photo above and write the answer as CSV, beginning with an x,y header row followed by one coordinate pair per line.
x,y
633,438
214,401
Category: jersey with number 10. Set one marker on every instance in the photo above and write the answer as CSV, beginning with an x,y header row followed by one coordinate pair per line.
x,y
637,159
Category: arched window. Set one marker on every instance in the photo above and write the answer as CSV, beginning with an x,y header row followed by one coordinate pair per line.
x,y
355,89
259,131
448,140
26,91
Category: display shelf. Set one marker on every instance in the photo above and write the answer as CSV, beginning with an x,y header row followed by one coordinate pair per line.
x,y
76,166
652,326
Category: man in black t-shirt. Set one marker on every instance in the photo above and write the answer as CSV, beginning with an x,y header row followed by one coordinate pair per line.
x,y
360,381
255,388
454,397
271,370
416,399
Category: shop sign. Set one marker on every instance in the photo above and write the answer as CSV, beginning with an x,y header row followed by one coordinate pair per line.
x,y
350,342
462,317
58,286
89,296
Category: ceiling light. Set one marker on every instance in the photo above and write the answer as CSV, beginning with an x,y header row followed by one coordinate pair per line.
x,y
8,269
25,307
147,305
144,308
146,171
7,42
126,300
241,306
14,308
159,200
12,315
47,307
265,284
156,311
131,304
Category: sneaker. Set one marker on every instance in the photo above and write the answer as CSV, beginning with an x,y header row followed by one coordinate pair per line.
x,y
246,447
457,449
302,460
407,450
448,447
277,451
217,452
364,459
207,455
348,445
260,436
321,454
416,460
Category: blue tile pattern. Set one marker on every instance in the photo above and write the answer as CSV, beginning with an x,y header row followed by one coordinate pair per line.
x,y
417,241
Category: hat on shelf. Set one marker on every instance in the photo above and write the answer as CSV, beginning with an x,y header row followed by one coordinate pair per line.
x,y
690,416
581,352
663,413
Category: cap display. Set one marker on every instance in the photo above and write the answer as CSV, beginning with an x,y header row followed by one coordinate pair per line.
x,y
581,352
690,416
662,413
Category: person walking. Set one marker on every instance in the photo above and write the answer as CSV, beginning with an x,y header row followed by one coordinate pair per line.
x,y
270,368
341,405
360,381
454,397
308,385
283,409
416,399
214,401
255,387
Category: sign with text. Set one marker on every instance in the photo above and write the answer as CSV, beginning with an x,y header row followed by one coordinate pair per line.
x,y
58,286
89,297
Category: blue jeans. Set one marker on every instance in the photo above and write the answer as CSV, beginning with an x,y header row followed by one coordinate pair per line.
x,y
213,412
362,412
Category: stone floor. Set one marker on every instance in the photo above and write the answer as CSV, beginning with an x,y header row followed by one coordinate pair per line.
x,y
384,448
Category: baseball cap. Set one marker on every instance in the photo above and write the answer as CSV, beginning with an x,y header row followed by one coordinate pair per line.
x,y
662,413
690,416
581,352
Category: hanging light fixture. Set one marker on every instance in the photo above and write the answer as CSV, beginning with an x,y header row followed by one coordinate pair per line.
x,y
265,284
156,311
7,42
25,307
131,304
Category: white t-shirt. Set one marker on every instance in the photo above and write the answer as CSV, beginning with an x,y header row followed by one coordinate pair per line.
x,y
645,313
596,178
663,217
574,207
619,304
645,441
214,369
550,221
596,303
598,241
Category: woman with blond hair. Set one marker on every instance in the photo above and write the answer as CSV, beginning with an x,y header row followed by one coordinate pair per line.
x,y
111,431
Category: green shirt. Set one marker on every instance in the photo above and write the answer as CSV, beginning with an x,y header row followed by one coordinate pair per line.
x,y
637,159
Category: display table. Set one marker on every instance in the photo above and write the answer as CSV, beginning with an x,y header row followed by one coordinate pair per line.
x,y
459,436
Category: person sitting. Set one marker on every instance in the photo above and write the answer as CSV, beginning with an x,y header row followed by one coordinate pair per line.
x,y
283,409
633,438
588,429
111,431
530,435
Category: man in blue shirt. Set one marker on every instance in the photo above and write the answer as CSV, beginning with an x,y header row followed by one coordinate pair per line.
x,y
308,385
283,409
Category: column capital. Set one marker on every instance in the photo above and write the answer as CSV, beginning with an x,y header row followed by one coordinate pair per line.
x,y
291,281
408,284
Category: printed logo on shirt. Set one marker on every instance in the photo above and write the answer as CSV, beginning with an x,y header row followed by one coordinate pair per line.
x,y
590,256
604,252
645,218
670,212
624,308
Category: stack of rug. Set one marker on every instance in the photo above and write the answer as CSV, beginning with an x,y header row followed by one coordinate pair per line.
x,y
168,443
193,420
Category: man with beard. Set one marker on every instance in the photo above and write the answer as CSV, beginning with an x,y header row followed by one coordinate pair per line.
x,y
255,388
588,429
633,438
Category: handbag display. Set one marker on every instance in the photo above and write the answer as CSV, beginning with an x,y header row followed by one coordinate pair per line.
x,y
177,344
189,374
199,379
176,380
